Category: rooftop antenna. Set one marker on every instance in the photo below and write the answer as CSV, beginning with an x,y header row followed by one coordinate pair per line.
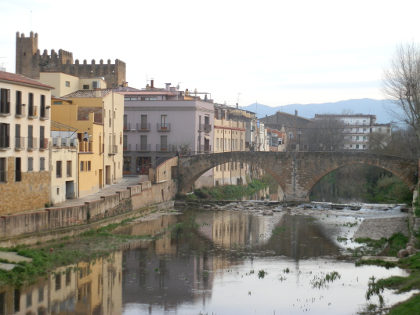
x,y
2,67
237,100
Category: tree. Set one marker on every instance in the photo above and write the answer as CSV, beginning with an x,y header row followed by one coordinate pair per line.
x,y
325,134
402,85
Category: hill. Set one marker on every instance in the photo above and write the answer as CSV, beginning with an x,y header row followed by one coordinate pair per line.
x,y
380,108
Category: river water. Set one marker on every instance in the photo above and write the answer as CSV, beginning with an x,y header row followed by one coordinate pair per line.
x,y
211,262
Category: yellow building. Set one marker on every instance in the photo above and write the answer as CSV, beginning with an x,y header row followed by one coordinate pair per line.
x,y
97,116
230,135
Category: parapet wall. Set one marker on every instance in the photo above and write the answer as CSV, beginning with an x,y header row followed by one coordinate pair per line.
x,y
50,219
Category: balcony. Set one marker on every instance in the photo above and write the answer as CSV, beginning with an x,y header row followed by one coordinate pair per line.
x,y
20,112
19,143
4,109
4,142
165,148
32,143
165,127
44,115
127,147
32,111
143,126
205,127
86,147
143,147
127,127
43,144
113,149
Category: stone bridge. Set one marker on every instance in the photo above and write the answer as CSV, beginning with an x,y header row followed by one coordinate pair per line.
x,y
295,172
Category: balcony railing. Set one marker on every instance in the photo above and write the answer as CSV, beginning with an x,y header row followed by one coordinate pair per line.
x,y
143,126
20,110
143,147
163,127
32,143
32,111
44,113
126,147
86,147
4,108
166,148
127,126
113,149
19,143
205,127
43,144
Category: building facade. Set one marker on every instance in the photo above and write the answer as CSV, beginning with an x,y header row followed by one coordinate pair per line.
x,y
160,123
24,138
357,129
64,166
98,117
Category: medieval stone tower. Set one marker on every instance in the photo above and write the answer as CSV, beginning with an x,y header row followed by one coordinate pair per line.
x,y
30,62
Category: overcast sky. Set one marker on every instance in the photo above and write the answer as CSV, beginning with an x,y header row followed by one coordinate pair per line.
x,y
274,52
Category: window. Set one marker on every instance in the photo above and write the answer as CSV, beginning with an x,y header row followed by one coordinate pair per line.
x,y
30,164
85,86
42,142
57,282
42,164
125,143
125,122
163,123
43,108
4,135
31,110
40,294
68,278
58,169
68,167
143,143
18,103
4,101
82,164
30,137
29,299
18,174
67,83
3,170
164,143
143,122
88,165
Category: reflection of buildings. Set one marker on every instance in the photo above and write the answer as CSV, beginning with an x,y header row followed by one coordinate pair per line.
x,y
85,288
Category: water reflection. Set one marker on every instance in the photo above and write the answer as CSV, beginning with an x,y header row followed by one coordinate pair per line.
x,y
205,262
83,288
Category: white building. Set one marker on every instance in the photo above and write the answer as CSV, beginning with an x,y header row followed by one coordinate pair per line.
x,y
357,129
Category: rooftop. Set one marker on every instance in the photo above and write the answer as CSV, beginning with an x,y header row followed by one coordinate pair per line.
x,y
88,93
22,80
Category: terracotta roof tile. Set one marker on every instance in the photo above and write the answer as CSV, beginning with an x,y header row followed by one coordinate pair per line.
x,y
22,80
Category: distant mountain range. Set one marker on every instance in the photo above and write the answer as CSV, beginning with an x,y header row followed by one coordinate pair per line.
x,y
381,108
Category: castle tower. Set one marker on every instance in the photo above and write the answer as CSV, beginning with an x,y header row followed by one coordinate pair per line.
x,y
26,55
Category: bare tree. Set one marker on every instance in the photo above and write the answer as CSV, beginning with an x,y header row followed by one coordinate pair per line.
x,y
402,85
325,135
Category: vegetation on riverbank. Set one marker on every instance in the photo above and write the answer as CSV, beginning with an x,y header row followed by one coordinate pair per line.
x,y
87,246
382,247
361,183
228,192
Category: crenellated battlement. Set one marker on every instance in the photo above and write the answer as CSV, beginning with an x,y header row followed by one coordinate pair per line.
x,y
30,62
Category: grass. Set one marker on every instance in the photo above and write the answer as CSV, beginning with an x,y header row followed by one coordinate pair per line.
x,y
409,307
49,256
387,247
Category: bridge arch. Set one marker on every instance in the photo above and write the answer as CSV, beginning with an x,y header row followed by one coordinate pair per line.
x,y
295,172
192,167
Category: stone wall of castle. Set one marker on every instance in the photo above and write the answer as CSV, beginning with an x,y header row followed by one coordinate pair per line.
x,y
30,62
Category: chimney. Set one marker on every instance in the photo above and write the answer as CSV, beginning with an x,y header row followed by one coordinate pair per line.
x,y
296,112
152,84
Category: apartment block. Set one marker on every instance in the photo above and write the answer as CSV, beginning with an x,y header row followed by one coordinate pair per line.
x,y
357,129
162,122
24,138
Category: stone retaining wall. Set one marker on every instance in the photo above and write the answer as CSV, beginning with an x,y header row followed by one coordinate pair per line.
x,y
124,201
